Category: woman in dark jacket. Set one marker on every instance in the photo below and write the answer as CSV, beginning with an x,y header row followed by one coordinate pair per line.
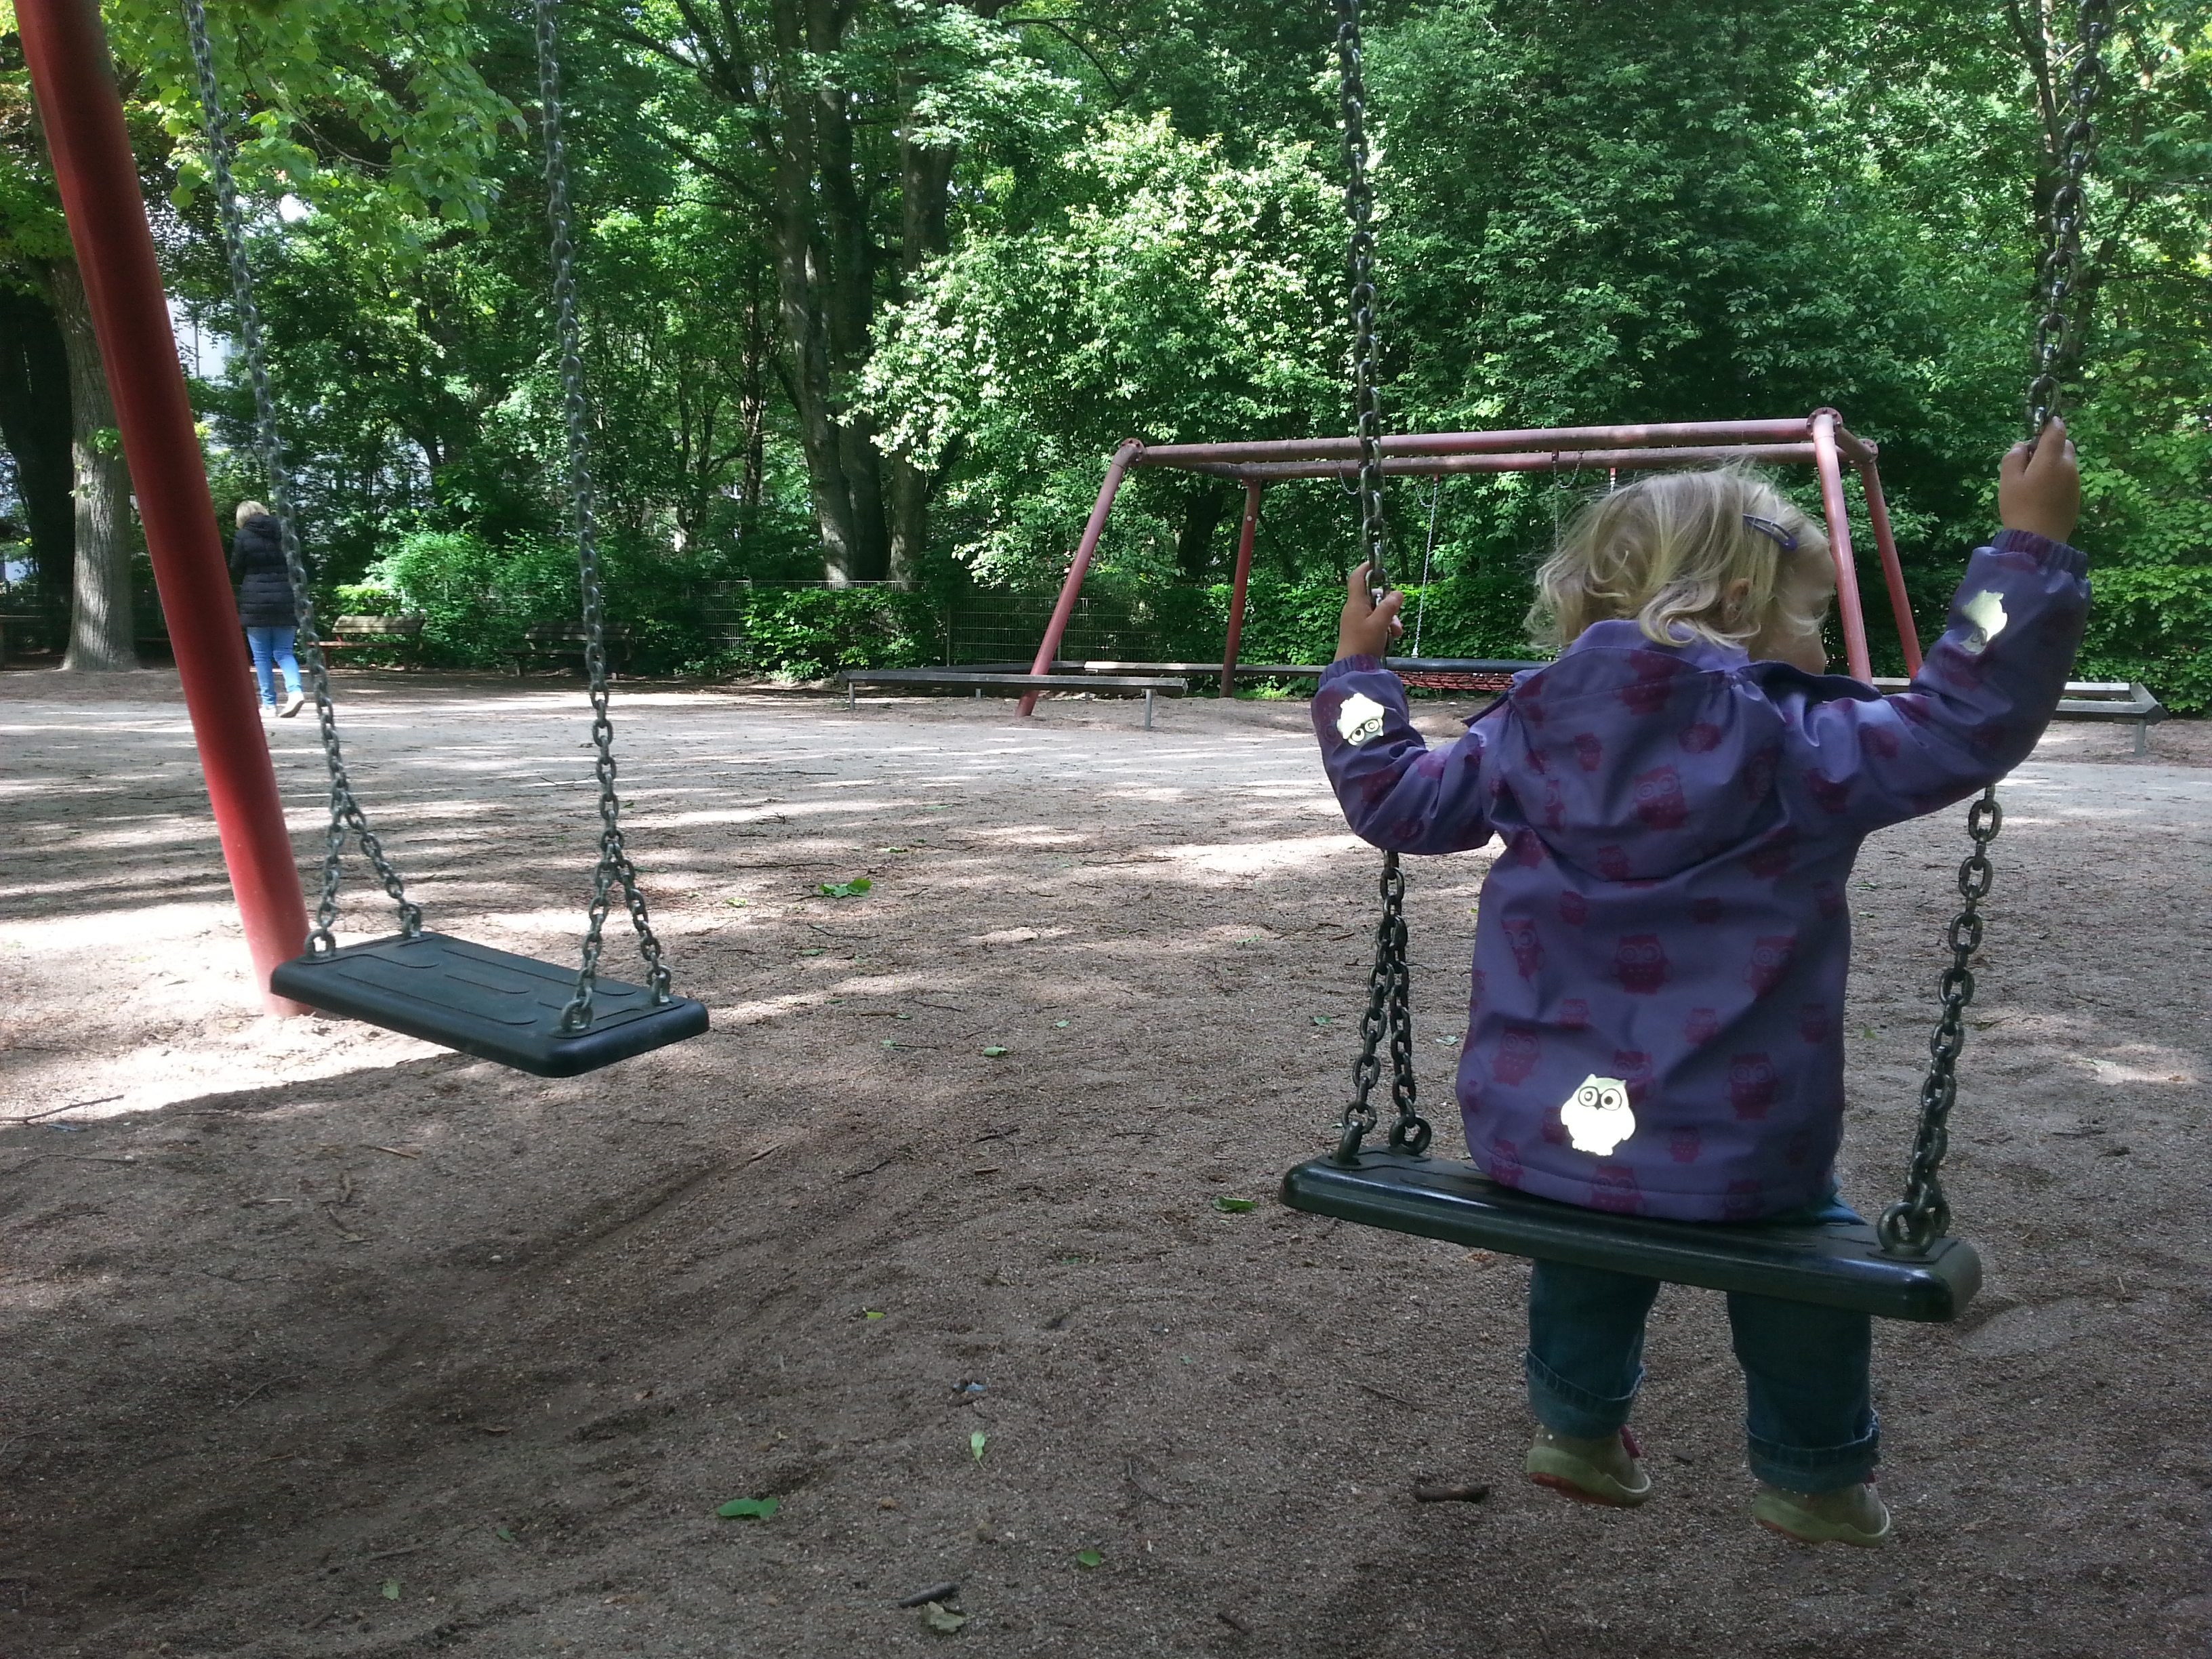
x,y
265,604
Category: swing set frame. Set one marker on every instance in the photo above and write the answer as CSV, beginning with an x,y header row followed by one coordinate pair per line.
x,y
1819,440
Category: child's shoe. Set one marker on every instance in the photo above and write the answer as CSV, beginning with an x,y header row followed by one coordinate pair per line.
x,y
1853,1515
1608,1471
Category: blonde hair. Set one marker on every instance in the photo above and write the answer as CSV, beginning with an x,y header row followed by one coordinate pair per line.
x,y
251,510
1668,552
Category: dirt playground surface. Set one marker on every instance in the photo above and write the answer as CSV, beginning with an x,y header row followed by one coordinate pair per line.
x,y
320,1341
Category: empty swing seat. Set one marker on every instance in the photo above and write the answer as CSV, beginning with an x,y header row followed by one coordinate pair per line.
x,y
492,1004
1839,1265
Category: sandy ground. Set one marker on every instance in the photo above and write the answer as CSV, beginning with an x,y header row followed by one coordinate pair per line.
x,y
321,1342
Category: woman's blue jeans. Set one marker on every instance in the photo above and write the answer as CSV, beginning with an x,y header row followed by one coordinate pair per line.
x,y
1809,1419
272,649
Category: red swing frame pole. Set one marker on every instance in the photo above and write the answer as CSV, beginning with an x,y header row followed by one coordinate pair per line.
x,y
97,176
1049,648
1244,537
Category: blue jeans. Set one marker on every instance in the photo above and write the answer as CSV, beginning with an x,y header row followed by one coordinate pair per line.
x,y
273,647
1809,1420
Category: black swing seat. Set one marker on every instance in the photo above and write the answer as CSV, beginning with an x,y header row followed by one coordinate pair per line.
x,y
1838,1264
492,1004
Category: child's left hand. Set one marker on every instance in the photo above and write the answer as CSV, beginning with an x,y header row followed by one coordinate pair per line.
x,y
1366,629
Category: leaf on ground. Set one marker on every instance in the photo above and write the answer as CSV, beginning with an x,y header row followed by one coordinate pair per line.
x,y
750,1508
737,904
993,1052
1323,1019
505,1534
852,889
976,1441
391,1589
1089,1558
1236,1206
871,1313
1059,1025
939,1618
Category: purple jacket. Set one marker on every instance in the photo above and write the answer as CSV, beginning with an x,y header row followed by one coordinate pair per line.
x,y
1662,944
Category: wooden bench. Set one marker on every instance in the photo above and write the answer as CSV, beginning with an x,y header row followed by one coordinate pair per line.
x,y
1153,686
367,633
2095,700
564,642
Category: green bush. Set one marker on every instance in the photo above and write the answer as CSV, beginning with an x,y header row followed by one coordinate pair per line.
x,y
2153,624
811,633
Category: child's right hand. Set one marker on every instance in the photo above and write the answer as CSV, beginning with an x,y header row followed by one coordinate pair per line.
x,y
2039,490
1366,629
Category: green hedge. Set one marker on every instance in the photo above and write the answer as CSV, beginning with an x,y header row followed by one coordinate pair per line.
x,y
2153,624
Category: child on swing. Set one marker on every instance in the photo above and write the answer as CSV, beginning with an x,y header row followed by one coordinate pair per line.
x,y
1656,1020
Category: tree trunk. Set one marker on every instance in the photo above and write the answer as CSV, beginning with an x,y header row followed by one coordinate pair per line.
x,y
34,424
752,400
1203,511
100,621
926,180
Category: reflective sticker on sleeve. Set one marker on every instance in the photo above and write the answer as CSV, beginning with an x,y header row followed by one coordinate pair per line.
x,y
1360,718
1987,612
1597,1115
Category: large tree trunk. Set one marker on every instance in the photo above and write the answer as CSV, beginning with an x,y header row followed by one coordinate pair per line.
x,y
34,424
100,621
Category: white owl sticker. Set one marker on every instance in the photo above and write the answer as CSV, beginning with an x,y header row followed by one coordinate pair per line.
x,y
1597,1115
1987,612
1360,718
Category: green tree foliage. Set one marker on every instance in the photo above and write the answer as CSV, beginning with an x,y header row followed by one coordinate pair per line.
x,y
872,288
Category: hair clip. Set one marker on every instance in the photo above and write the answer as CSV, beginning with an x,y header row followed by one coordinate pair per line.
x,y
1774,533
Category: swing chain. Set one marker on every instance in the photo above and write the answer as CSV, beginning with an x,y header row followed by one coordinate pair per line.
x,y
1916,1221
1923,1216
1389,1013
1360,209
346,814
614,865
1389,982
2058,274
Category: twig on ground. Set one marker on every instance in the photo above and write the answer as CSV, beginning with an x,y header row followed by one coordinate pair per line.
x,y
404,1549
397,1151
1385,1394
55,1111
260,1388
764,1152
944,1592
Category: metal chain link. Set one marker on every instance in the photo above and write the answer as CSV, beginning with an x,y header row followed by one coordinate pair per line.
x,y
1360,209
2058,273
1923,1215
346,815
614,866
1389,1014
1389,982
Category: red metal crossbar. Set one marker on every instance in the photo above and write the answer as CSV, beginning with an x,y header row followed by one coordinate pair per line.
x,y
1819,440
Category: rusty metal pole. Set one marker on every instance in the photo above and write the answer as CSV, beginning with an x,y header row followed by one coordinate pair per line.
x,y
1244,537
1892,573
1049,648
98,179
1848,609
